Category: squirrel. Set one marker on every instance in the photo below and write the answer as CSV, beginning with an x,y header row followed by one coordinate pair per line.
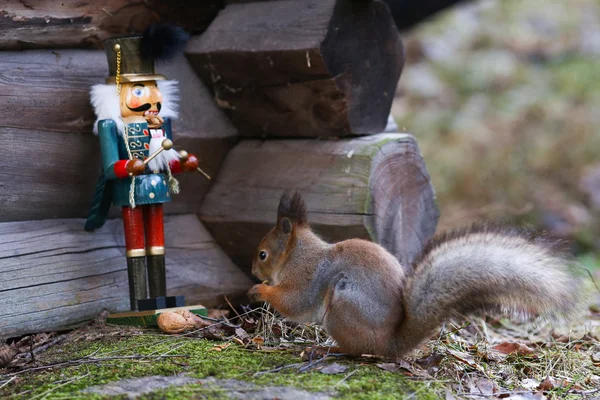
x,y
371,304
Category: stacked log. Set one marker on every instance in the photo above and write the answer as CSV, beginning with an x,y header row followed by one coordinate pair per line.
x,y
302,67
374,187
55,275
77,24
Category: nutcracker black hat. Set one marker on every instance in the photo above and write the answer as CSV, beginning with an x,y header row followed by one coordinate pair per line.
x,y
132,58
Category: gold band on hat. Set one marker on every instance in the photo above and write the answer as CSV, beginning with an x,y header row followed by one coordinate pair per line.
x,y
124,78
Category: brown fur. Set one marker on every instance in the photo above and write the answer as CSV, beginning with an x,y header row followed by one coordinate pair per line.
x,y
365,300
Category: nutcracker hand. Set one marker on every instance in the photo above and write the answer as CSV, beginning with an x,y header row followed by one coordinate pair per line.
x,y
189,164
135,167
154,121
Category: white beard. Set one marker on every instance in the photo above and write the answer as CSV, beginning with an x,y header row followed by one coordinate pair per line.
x,y
105,101
162,160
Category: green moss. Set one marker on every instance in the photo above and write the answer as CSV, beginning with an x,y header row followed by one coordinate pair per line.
x,y
200,360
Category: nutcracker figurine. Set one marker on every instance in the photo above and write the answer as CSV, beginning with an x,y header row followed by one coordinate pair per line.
x,y
134,110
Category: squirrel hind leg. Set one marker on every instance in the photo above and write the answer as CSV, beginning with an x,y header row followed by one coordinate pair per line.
x,y
357,325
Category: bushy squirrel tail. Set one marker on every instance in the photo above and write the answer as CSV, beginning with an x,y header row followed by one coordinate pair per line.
x,y
488,270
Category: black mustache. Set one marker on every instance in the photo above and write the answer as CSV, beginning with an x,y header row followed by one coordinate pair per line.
x,y
144,107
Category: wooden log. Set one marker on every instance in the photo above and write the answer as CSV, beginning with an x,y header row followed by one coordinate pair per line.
x,y
55,275
374,187
28,24
302,67
49,157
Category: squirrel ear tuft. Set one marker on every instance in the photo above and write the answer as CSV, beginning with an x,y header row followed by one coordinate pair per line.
x,y
292,207
286,225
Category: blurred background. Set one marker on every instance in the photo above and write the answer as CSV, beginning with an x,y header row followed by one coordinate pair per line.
x,y
504,99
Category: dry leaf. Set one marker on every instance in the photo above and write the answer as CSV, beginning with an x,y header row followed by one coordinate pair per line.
x,y
481,386
513,348
433,360
220,347
530,384
333,368
242,334
465,358
238,341
7,354
526,396
390,367
547,384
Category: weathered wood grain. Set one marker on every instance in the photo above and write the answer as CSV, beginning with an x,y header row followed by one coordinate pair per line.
x,y
54,275
50,160
302,68
26,24
374,187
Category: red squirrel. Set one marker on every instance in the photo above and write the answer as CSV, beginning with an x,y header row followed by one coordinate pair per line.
x,y
370,304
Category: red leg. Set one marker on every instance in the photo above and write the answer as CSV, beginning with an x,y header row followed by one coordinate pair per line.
x,y
133,222
155,233
155,248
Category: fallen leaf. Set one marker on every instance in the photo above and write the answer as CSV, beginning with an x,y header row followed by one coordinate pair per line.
x,y
433,360
390,367
465,358
562,339
513,348
7,354
238,341
481,386
404,364
220,347
530,384
333,368
595,359
242,334
449,395
547,384
526,396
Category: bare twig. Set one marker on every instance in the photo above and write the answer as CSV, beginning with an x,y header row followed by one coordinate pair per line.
x,y
345,378
278,369
8,381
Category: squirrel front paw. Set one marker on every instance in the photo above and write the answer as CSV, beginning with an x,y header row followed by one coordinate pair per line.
x,y
256,292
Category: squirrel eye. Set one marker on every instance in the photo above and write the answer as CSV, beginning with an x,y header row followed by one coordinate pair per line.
x,y
262,255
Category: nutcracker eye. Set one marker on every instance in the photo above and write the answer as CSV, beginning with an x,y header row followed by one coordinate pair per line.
x,y
262,255
138,92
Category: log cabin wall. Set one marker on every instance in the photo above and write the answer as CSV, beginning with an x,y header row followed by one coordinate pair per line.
x,y
307,84
53,274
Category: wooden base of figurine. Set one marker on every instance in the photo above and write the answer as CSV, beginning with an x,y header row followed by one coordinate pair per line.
x,y
148,318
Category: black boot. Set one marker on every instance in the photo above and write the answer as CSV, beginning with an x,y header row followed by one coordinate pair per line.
x,y
157,280
136,272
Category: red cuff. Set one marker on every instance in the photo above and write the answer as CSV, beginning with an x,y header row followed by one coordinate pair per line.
x,y
175,166
120,169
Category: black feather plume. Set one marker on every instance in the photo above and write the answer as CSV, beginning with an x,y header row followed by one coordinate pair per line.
x,y
161,42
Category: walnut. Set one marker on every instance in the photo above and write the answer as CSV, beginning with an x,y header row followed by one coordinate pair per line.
x,y
180,321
